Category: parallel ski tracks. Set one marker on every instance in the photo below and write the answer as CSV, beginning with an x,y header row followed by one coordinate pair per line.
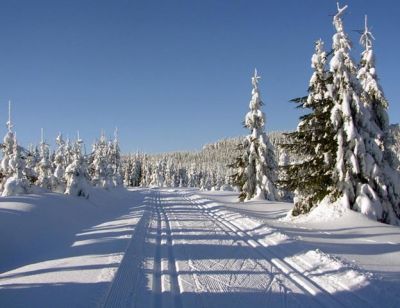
x,y
122,290
165,292
316,292
153,238
165,284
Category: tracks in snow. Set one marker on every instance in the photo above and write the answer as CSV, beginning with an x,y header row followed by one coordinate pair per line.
x,y
149,259
126,280
183,253
296,272
165,283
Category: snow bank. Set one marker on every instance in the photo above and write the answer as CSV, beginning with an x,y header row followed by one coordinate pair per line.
x,y
63,251
324,212
336,247
15,186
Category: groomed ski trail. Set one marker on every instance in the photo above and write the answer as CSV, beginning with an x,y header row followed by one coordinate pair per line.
x,y
184,254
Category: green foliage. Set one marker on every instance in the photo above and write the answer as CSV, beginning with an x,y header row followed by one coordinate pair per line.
x,y
239,165
314,145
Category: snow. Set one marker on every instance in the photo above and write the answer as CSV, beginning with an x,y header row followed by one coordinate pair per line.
x,y
15,186
324,212
63,251
190,248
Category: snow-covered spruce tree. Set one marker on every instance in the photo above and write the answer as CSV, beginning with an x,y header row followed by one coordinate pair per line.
x,y
219,181
17,183
157,178
261,166
284,162
60,163
98,168
358,176
32,160
206,181
310,177
227,186
193,177
377,130
182,177
372,94
128,170
8,150
13,177
69,152
238,177
392,142
44,168
170,175
137,170
109,165
114,154
146,172
76,173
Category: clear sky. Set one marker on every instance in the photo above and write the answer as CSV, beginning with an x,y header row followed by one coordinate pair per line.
x,y
172,75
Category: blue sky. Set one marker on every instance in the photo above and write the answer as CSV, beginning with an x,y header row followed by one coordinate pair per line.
x,y
172,75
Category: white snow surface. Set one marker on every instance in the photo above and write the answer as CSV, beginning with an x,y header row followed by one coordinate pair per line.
x,y
189,248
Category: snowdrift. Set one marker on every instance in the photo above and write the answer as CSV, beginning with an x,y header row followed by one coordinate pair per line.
x,y
54,246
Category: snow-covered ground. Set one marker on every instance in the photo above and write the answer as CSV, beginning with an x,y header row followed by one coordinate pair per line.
x,y
186,248
62,251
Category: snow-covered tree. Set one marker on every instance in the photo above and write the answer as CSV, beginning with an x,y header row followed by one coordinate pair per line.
x,y
381,173
218,180
32,160
17,183
99,167
60,163
114,159
310,176
170,175
128,164
76,173
137,171
283,165
8,149
358,174
347,104
14,181
146,172
193,177
238,166
157,178
44,168
260,166
373,93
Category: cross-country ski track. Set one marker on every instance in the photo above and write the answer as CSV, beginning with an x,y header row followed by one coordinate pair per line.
x,y
179,248
194,256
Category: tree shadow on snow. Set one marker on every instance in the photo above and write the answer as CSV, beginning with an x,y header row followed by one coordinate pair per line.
x,y
220,259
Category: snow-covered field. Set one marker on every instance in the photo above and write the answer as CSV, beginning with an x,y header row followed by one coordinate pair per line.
x,y
187,248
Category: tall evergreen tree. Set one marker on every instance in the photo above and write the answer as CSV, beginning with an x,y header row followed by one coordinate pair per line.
x,y
379,173
238,166
313,142
60,163
115,161
8,149
137,170
260,165
99,164
358,174
346,105
14,181
17,183
76,173
44,166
